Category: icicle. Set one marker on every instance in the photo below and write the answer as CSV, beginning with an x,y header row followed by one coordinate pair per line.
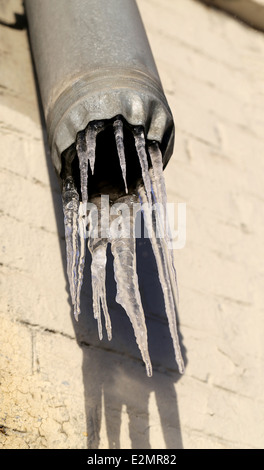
x,y
83,157
70,199
82,254
143,159
85,147
157,166
91,133
98,247
119,137
98,268
166,281
123,250
160,195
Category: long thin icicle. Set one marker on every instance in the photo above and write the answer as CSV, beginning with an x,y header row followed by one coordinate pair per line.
x,y
83,157
70,200
98,268
91,133
123,250
160,195
163,255
85,147
143,159
97,247
119,137
82,254
157,166
170,299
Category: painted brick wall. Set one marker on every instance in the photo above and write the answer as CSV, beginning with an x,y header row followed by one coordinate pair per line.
x,y
60,386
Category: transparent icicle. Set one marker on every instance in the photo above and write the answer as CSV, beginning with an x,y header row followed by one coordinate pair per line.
x,y
98,247
160,196
85,147
70,200
91,133
158,177
168,287
119,138
124,253
82,255
140,145
82,153
98,268
83,157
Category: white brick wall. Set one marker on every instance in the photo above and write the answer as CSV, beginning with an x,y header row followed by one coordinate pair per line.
x,y
59,392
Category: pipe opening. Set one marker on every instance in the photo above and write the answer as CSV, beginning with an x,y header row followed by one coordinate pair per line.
x,y
104,143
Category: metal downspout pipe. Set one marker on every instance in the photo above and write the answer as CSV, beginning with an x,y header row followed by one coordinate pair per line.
x,y
94,62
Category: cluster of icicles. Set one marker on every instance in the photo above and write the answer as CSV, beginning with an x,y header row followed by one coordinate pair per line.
x,y
151,190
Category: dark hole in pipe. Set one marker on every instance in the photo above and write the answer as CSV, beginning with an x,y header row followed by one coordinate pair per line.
x,y
107,177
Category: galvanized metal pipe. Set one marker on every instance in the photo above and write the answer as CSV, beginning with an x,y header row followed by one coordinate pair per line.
x,y
94,62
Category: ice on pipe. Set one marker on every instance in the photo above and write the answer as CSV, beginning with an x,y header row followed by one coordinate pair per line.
x,y
160,197
140,144
90,137
165,273
119,137
98,267
158,223
97,248
82,255
83,165
150,192
123,247
85,147
70,200
124,253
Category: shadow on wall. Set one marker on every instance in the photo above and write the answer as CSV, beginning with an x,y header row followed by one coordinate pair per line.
x,y
20,22
117,374
113,372
250,12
